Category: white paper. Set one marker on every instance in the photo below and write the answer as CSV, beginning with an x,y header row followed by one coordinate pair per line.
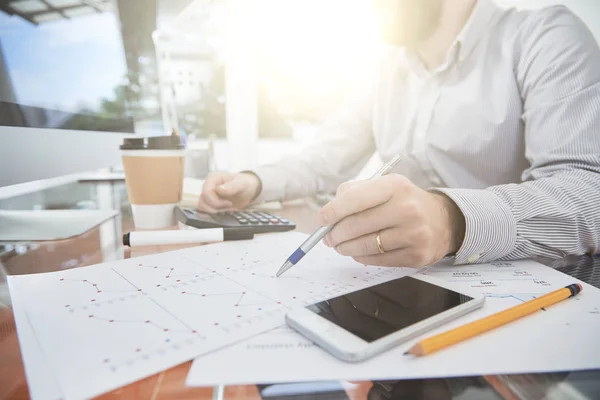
x,y
564,337
104,326
36,365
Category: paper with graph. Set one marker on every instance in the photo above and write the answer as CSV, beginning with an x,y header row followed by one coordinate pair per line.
x,y
103,326
564,337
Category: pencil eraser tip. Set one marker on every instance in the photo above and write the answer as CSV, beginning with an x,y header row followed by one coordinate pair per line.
x,y
579,286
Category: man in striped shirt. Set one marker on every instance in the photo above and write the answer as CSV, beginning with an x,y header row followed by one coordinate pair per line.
x,y
496,114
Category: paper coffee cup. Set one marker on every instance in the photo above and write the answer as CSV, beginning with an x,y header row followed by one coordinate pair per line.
x,y
154,170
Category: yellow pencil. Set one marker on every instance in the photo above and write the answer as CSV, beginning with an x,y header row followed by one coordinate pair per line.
x,y
475,328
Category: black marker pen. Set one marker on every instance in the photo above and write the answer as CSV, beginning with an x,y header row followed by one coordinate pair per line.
x,y
154,238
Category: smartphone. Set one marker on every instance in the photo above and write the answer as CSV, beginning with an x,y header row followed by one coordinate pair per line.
x,y
361,324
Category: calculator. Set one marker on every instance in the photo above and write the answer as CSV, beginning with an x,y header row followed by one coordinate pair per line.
x,y
259,221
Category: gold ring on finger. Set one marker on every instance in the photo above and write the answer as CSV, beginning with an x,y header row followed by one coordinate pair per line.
x,y
379,245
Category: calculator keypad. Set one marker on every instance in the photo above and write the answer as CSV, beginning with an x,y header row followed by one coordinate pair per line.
x,y
255,218
260,221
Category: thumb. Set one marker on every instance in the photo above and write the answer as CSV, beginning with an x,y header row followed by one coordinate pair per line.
x,y
231,188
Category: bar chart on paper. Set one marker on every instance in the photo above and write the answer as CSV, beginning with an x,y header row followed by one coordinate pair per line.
x,y
104,326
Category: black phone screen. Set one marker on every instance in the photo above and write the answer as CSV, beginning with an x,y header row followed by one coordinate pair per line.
x,y
380,310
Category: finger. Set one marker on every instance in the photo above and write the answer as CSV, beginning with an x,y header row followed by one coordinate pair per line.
x,y
407,257
391,239
214,180
359,197
231,188
203,207
346,185
360,224
211,198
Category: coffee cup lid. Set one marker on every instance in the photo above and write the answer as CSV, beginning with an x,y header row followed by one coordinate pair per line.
x,y
173,142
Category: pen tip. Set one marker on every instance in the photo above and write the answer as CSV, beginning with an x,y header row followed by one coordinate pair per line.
x,y
286,265
406,353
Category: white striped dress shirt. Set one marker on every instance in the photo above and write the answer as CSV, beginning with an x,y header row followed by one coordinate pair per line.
x,y
508,127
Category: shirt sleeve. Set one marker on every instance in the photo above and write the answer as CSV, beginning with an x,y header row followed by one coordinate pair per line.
x,y
344,145
555,210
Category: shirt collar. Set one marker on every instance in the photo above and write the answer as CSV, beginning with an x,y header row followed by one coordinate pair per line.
x,y
481,18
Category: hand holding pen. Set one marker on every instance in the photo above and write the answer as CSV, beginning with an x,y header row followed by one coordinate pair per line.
x,y
320,233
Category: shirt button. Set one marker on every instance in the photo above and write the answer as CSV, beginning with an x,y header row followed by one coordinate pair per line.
x,y
473,258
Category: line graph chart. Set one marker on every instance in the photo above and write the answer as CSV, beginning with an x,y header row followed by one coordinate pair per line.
x,y
94,286
507,284
535,343
103,326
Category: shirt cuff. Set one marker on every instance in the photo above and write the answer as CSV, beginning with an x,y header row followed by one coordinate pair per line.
x,y
490,228
273,184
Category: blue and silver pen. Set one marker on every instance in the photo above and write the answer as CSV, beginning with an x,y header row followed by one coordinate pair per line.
x,y
324,230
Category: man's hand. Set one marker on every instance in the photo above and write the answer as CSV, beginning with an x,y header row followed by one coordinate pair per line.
x,y
224,191
416,227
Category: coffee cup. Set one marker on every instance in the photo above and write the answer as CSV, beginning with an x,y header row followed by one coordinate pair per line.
x,y
154,168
